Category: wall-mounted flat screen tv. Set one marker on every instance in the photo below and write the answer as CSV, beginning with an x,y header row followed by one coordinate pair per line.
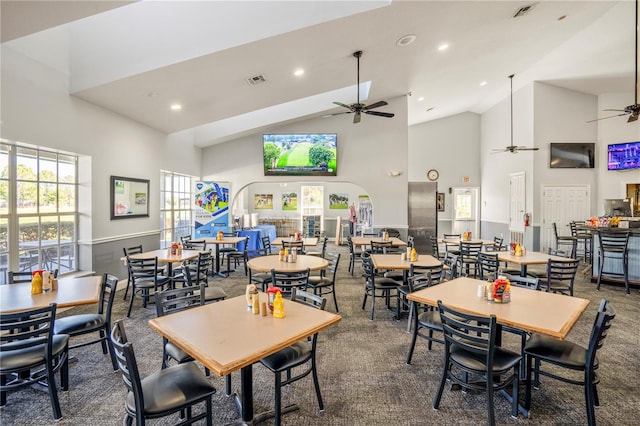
x,y
572,155
300,154
622,156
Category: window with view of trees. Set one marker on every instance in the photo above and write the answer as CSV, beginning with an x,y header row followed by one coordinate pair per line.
x,y
176,207
38,210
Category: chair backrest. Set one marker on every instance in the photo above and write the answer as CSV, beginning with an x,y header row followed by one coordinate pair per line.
x,y
298,245
497,244
393,233
367,268
451,262
107,296
352,250
561,275
418,281
451,236
204,266
410,241
127,364
143,268
195,245
558,252
26,330
471,333
309,299
469,251
266,244
435,273
15,277
613,241
435,249
488,264
334,259
179,299
128,251
602,323
325,240
185,239
531,283
555,230
288,280
380,247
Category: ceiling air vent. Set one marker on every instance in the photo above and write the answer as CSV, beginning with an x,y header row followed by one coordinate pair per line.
x,y
524,10
257,79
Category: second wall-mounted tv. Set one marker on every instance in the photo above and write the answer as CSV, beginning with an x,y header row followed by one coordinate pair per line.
x,y
300,154
572,155
622,156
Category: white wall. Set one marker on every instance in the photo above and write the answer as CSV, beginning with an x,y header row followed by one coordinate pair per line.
x,y
37,110
561,115
366,153
450,145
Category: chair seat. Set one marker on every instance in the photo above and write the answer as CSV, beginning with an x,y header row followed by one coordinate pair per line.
x,y
214,293
385,284
503,359
430,319
557,351
76,323
176,353
171,389
150,283
318,281
13,360
288,357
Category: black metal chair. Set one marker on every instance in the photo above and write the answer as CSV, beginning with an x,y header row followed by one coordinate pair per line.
x,y
584,240
488,265
434,275
144,278
435,248
194,245
564,241
296,355
380,247
176,300
570,356
326,284
298,245
354,255
376,286
468,258
287,281
266,244
175,389
451,266
30,353
561,275
99,322
613,246
449,247
130,251
241,255
471,354
200,273
393,233
323,249
15,277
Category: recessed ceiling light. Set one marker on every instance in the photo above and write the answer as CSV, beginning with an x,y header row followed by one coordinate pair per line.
x,y
484,83
298,72
421,98
443,46
176,107
406,40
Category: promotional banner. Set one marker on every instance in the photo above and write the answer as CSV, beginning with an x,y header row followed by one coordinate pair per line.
x,y
211,212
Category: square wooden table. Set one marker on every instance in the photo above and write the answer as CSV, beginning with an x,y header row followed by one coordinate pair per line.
x,y
366,241
70,292
529,310
308,241
394,261
529,258
236,338
164,257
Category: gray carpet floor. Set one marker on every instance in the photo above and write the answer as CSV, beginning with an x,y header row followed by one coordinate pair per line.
x,y
362,370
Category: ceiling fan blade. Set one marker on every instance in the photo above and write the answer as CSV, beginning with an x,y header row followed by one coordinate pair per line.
x,y
604,118
526,148
343,105
337,113
374,105
620,110
380,114
356,118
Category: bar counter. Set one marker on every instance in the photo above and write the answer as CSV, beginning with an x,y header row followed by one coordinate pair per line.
x,y
634,255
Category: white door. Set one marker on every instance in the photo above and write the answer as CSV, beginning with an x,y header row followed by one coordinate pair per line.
x,y
465,211
562,204
517,200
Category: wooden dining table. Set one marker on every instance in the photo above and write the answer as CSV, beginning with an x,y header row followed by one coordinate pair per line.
x,y
307,241
532,311
71,292
366,241
218,242
267,263
529,258
235,339
164,257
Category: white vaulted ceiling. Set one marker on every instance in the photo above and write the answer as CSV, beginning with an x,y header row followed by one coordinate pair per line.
x,y
138,58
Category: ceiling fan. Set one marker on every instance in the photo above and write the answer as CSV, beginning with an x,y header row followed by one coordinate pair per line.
x,y
359,108
632,110
513,148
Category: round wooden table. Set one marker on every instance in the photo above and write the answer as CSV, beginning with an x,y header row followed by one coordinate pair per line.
x,y
267,263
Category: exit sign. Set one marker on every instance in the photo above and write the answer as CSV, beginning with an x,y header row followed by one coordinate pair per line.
x,y
466,179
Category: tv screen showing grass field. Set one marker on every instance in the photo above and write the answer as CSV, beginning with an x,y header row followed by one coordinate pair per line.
x,y
312,154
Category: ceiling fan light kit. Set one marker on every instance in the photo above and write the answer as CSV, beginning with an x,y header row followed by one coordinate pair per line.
x,y
359,108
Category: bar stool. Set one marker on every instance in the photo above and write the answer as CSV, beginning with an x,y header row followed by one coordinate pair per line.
x,y
564,240
613,245
583,239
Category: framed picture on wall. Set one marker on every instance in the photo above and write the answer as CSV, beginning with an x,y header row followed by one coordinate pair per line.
x,y
263,201
338,201
440,201
129,197
290,201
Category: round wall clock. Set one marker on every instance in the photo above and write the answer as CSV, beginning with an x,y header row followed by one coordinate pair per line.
x,y
433,174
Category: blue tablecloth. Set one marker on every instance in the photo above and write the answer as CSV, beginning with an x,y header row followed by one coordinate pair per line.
x,y
267,231
254,241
